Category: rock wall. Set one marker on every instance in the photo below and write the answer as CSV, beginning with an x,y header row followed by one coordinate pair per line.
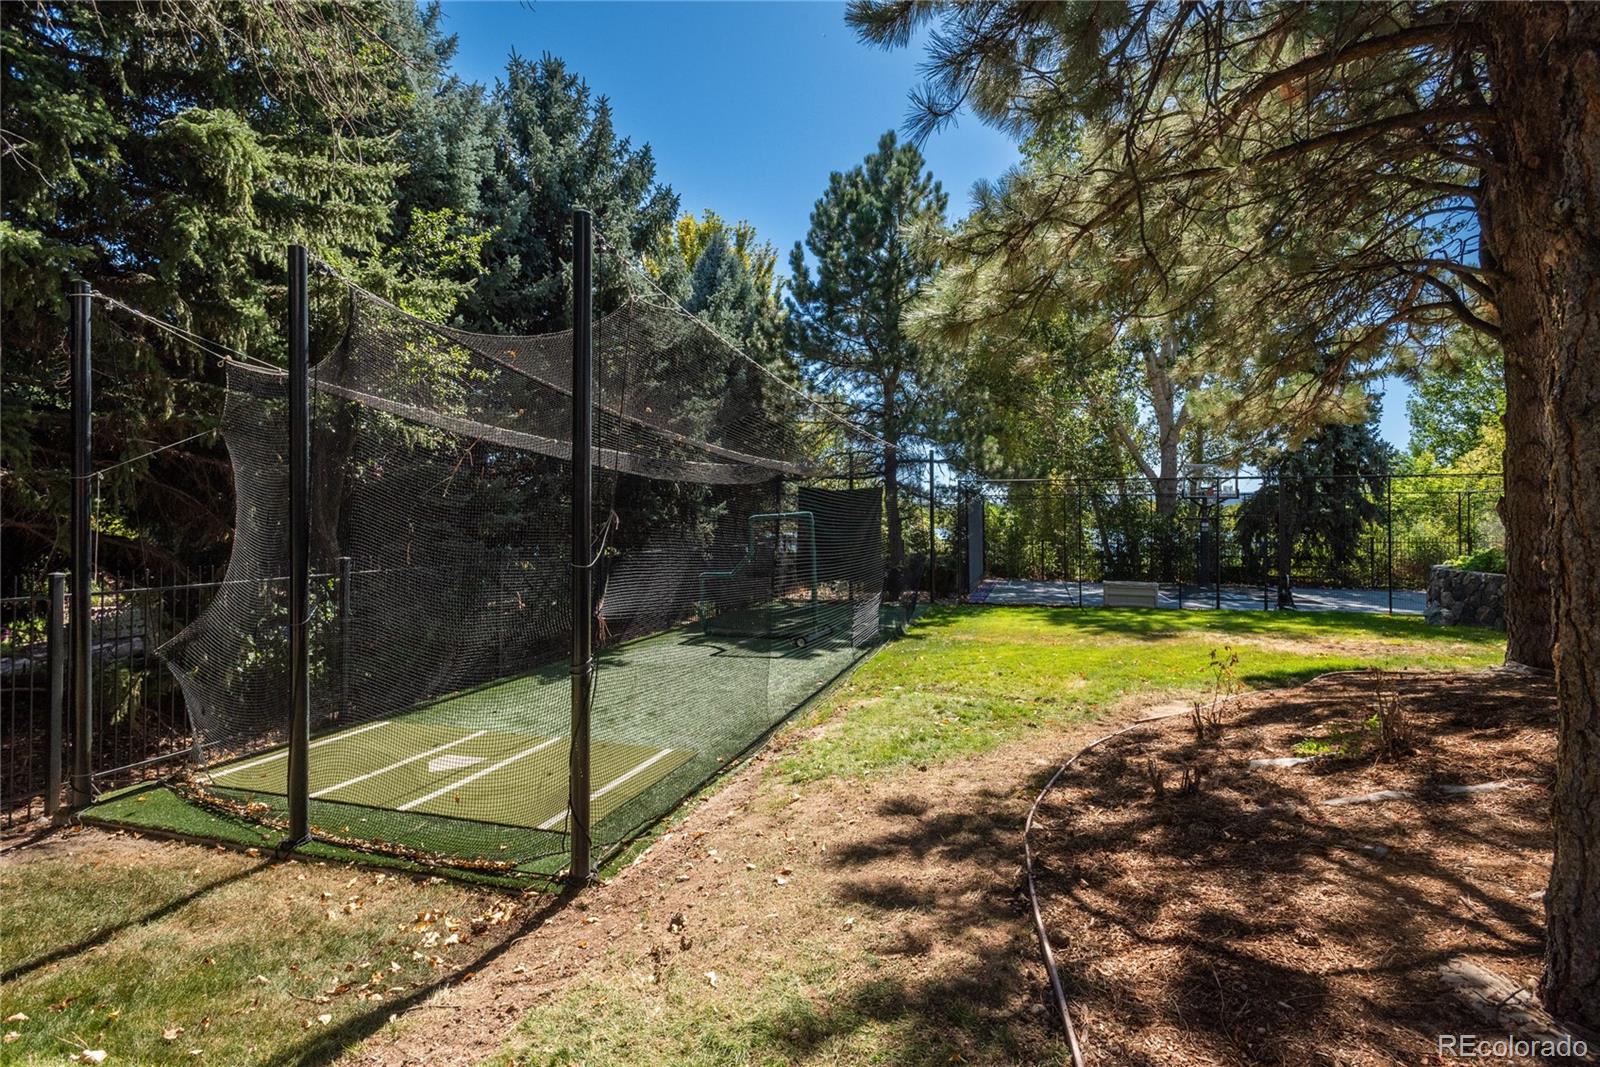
x,y
1466,598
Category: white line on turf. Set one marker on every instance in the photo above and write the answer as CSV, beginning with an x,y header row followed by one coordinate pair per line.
x,y
561,816
398,763
283,752
475,775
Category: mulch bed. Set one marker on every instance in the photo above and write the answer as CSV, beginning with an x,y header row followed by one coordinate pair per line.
x,y
1248,922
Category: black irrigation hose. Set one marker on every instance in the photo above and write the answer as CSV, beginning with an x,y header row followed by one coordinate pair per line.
x,y
1033,894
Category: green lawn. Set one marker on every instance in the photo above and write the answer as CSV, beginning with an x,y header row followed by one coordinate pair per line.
x,y
241,958
968,678
161,954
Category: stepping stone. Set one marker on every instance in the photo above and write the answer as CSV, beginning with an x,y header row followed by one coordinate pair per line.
x,y
1280,761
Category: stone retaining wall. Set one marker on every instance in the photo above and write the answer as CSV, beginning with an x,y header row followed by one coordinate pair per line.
x,y
1466,598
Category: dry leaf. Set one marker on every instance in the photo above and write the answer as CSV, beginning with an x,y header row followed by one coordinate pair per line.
x,y
17,1018
171,1033
711,976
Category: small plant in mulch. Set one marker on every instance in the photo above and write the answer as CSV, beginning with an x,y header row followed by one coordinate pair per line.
x,y
1386,733
1389,722
1206,714
1190,783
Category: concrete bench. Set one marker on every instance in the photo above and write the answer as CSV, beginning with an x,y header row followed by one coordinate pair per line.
x,y
1130,594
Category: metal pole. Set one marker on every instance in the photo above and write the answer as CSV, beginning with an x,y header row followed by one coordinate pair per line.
x,y
56,644
1266,574
932,557
1388,506
299,768
582,530
1077,562
1063,535
342,601
1216,539
1469,522
82,554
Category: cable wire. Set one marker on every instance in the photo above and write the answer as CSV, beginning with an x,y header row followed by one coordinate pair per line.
x,y
215,349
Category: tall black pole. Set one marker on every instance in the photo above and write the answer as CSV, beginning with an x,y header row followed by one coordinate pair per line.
x,y
56,646
82,553
1388,507
1077,540
299,783
582,530
1216,538
932,558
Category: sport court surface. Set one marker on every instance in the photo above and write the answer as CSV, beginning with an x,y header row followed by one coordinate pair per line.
x,y
1234,597
484,772
499,776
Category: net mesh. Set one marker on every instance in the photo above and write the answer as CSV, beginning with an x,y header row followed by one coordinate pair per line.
x,y
735,577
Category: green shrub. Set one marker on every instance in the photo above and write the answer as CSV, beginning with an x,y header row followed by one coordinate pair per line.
x,y
1490,560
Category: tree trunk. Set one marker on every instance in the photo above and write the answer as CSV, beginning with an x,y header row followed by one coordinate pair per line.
x,y
891,505
890,429
1544,66
1524,506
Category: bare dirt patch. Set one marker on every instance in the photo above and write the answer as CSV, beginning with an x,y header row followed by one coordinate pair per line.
x,y
1247,921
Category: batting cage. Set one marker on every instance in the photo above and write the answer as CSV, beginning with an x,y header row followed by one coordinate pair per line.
x,y
504,601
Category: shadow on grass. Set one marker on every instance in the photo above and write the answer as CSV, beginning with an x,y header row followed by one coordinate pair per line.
x,y
106,933
318,1045
1146,623
934,889
331,1044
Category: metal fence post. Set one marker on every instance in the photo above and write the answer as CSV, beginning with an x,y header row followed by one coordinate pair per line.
x,y
341,599
582,667
1216,538
1077,560
1063,534
933,570
1458,522
56,649
82,554
1388,506
299,606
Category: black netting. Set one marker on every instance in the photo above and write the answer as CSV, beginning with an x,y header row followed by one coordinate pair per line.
x,y
734,579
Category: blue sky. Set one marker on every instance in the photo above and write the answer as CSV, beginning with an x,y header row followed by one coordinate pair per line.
x,y
748,106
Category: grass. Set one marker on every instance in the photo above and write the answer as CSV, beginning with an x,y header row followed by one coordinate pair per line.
x,y
971,678
116,944
157,953
810,1012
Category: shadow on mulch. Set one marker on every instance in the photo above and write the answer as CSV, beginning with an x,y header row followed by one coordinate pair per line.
x,y
1246,922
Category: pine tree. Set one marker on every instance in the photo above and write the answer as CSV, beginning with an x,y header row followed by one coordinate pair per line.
x,y
847,319
1341,178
